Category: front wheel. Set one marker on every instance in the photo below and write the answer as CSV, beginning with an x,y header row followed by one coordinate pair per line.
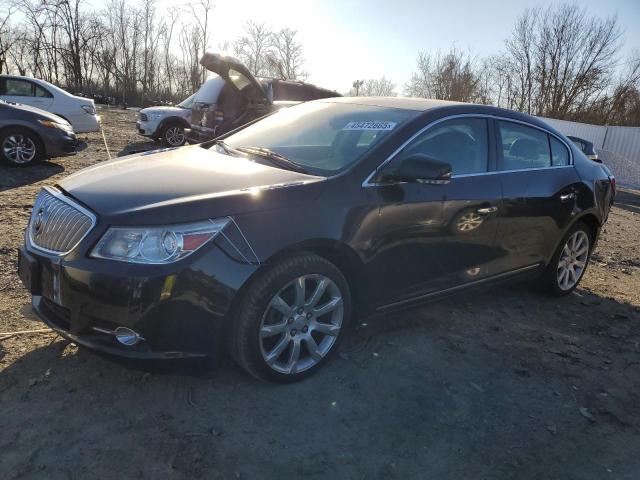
x,y
173,135
292,319
20,147
570,261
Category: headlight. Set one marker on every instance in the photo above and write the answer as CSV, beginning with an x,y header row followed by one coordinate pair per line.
x,y
156,116
90,109
156,245
61,126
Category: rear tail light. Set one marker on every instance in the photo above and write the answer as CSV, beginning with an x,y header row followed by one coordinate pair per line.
x,y
613,183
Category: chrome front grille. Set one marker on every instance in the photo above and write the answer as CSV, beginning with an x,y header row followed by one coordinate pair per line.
x,y
57,223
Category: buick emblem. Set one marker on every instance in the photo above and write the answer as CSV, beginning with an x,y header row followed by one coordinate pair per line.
x,y
39,222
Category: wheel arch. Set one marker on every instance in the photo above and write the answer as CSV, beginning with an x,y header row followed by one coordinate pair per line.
x,y
166,121
591,220
62,117
344,258
338,253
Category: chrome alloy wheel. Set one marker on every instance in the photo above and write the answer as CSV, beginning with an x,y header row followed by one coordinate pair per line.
x,y
469,221
174,136
301,324
573,260
19,148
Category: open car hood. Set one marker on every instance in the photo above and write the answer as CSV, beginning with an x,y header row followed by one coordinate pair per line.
x,y
236,75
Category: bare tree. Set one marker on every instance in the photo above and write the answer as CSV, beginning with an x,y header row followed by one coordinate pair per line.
x,y
201,13
357,85
7,38
253,48
373,87
450,76
285,56
561,59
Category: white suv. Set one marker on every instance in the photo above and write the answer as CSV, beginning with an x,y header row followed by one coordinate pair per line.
x,y
166,124
78,111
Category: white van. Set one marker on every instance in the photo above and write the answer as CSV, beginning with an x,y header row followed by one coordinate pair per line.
x,y
78,111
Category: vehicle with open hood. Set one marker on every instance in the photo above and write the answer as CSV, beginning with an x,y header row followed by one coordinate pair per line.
x,y
233,97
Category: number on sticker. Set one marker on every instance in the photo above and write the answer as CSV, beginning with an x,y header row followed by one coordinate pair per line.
x,y
370,125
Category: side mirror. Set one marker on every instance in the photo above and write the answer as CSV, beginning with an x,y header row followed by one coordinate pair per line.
x,y
417,168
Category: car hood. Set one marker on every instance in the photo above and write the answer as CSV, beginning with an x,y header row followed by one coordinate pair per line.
x,y
166,110
183,184
42,114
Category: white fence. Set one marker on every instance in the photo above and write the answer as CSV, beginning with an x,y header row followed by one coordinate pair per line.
x,y
618,147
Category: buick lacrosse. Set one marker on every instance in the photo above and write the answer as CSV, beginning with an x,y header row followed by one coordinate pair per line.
x,y
269,240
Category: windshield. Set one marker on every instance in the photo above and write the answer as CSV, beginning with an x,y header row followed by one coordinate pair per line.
x,y
187,102
322,137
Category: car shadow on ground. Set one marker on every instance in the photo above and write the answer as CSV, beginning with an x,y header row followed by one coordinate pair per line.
x,y
368,334
469,388
628,200
139,147
12,177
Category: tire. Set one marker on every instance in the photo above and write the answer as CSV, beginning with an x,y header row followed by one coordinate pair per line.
x,y
20,147
266,330
173,135
573,253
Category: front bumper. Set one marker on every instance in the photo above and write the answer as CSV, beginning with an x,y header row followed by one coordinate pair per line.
x,y
179,310
84,122
58,319
148,128
59,143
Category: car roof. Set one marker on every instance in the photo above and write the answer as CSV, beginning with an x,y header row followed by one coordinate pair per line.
x,y
39,81
406,103
21,77
444,107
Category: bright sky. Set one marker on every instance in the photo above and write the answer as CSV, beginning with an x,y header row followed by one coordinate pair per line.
x,y
345,40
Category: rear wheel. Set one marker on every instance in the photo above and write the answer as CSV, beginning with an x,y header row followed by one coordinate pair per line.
x,y
292,319
20,147
173,135
570,261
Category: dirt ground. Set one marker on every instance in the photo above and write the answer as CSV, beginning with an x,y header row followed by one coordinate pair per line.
x,y
508,383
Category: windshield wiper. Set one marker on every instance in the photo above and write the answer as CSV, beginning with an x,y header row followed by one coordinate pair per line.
x,y
274,157
227,149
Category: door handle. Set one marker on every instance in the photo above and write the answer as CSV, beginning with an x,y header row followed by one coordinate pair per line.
x,y
567,196
487,210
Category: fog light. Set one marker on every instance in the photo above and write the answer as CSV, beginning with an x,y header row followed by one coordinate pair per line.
x,y
127,337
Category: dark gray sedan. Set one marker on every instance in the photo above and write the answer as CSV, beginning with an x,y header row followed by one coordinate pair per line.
x,y
28,135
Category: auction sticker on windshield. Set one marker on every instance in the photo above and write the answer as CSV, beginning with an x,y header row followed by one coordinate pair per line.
x,y
370,125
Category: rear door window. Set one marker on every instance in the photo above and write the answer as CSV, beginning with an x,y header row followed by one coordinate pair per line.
x,y
41,92
559,152
18,88
523,147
